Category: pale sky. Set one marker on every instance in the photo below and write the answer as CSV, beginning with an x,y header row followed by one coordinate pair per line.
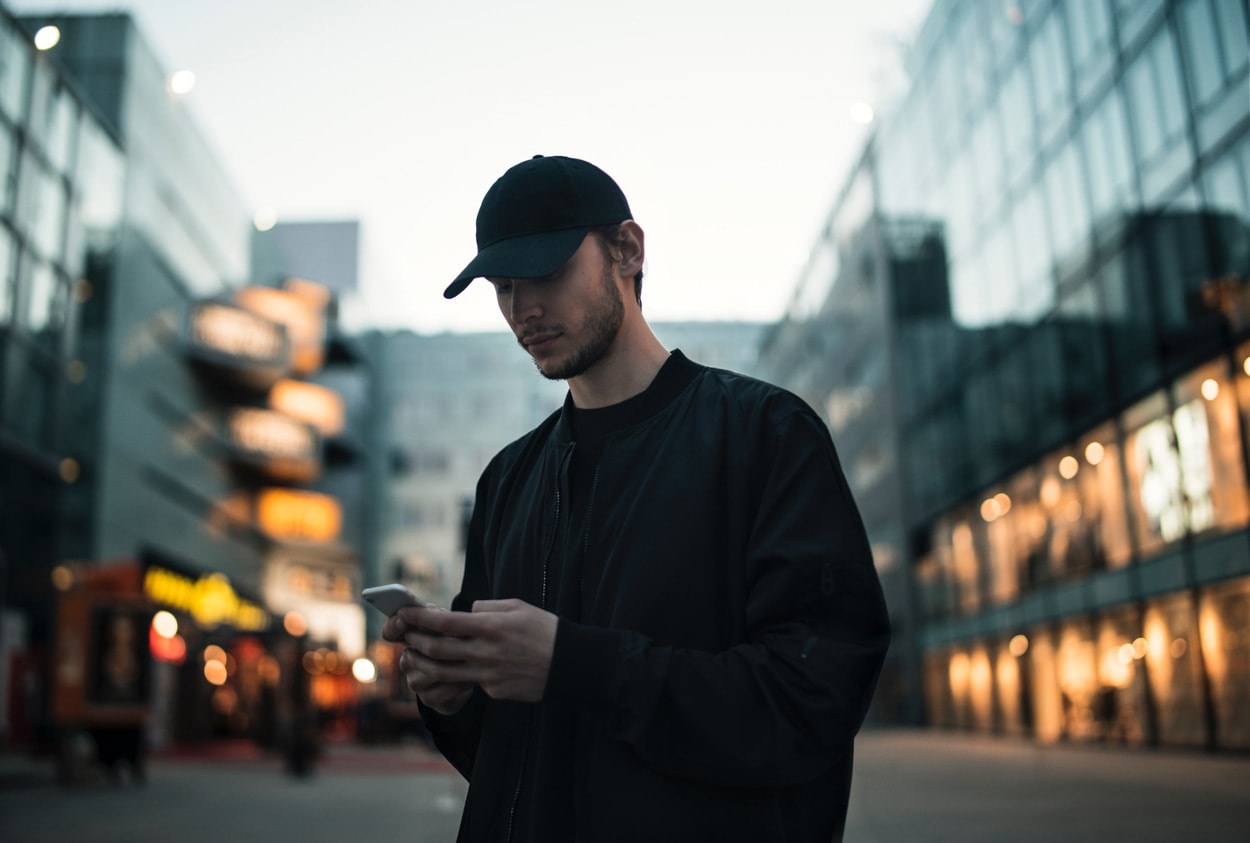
x,y
727,124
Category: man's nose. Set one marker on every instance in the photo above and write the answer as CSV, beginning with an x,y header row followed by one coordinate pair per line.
x,y
526,303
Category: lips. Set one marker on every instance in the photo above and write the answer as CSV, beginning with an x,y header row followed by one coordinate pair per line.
x,y
534,341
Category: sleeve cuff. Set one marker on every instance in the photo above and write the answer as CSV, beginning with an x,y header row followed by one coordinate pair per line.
x,y
585,667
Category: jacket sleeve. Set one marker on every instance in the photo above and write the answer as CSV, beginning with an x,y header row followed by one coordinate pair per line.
x,y
782,705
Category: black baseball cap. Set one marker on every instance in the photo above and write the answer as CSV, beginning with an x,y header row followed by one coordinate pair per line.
x,y
536,215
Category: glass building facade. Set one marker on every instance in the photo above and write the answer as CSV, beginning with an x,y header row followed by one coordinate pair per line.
x,y
60,217
1049,241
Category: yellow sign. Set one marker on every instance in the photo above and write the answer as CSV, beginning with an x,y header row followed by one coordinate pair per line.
x,y
210,600
295,515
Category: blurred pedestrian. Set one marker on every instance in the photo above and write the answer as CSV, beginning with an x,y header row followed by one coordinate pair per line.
x,y
670,625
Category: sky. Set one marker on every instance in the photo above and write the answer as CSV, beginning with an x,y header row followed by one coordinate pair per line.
x,y
727,123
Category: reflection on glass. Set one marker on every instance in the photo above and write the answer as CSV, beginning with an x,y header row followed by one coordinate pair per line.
x,y
1224,628
1120,705
1048,711
1208,433
1173,668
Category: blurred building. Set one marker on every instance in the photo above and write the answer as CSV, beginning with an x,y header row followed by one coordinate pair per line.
x,y
60,216
171,434
1028,324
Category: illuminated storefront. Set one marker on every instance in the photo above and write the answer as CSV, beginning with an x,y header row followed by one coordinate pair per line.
x,y
1027,320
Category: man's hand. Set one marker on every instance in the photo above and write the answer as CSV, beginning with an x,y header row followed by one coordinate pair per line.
x,y
504,646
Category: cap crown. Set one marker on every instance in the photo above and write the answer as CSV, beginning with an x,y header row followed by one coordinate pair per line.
x,y
548,193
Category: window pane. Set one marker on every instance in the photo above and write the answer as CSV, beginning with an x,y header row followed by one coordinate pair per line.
x,y
1120,707
1201,57
1102,491
1076,664
1050,73
14,69
1231,23
6,277
1050,706
1209,442
1224,621
1144,101
29,386
45,304
1172,662
1154,474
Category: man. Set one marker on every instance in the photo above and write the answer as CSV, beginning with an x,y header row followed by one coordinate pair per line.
x,y
670,625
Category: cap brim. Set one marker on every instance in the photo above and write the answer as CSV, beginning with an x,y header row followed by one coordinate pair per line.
x,y
530,256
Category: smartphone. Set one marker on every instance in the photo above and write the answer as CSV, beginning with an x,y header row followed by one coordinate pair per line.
x,y
389,599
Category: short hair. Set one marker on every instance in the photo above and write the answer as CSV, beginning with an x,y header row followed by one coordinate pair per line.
x,y
609,237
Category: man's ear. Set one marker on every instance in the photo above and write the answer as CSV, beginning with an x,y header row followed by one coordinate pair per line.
x,y
631,242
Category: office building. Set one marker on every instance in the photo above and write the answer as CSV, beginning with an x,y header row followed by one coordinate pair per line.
x,y
1029,312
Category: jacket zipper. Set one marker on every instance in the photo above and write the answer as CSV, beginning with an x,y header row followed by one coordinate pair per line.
x,y
555,531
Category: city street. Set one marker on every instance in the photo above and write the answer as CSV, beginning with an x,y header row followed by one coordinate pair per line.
x,y
910,787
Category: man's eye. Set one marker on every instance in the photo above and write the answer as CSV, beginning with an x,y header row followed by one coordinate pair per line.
x,y
501,285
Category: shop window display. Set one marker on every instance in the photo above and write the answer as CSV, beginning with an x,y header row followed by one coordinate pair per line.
x,y
937,688
1242,382
1070,542
1208,438
1154,472
1044,691
980,689
1224,628
1076,672
1011,685
1120,706
1101,482
1172,661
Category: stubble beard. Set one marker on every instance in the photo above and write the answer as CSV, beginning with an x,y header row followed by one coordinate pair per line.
x,y
602,323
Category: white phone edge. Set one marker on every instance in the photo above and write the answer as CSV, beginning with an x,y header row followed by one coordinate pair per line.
x,y
389,599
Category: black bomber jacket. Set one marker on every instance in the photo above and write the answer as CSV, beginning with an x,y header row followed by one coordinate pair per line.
x,y
730,633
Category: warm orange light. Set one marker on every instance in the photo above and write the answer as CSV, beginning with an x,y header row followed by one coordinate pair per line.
x,y
1210,389
1004,503
305,324
1068,467
990,510
213,653
959,670
297,515
316,295
215,672
316,405
294,623
1019,645
1094,452
62,578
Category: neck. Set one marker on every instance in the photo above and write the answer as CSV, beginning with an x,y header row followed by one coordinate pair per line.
x,y
627,370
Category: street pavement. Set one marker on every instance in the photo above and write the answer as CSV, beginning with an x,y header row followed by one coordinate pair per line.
x,y
910,787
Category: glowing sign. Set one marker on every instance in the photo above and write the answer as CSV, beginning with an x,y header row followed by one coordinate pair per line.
x,y
210,600
1176,479
296,515
305,324
235,332
271,434
318,405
